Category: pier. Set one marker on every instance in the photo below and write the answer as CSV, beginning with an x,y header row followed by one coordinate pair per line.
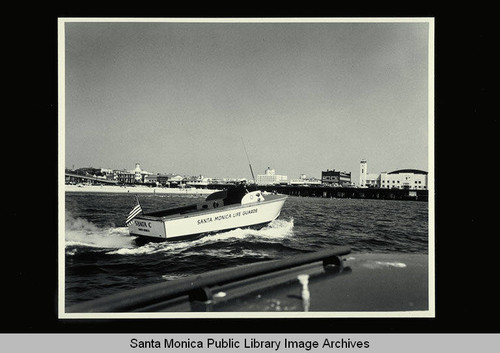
x,y
345,192
350,193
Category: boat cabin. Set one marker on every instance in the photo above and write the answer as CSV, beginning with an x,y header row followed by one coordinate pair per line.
x,y
234,195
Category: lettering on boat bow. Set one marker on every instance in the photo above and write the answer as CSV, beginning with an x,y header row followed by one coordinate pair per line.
x,y
226,216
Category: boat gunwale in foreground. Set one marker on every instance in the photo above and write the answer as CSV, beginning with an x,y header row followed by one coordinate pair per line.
x,y
332,280
197,287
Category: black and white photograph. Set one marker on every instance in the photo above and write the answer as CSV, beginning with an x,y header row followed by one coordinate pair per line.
x,y
246,168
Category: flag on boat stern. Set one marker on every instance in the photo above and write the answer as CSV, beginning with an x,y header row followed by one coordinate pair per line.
x,y
135,211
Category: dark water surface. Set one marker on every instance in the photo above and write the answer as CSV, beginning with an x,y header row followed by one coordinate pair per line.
x,y
102,259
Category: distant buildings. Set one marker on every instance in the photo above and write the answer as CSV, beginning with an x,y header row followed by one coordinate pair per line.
x,y
399,179
198,181
135,176
335,178
90,176
110,176
270,178
304,180
138,176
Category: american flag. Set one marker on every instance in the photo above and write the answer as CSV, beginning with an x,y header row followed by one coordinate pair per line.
x,y
135,211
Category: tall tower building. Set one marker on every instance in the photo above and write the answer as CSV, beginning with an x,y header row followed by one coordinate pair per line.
x,y
137,172
363,170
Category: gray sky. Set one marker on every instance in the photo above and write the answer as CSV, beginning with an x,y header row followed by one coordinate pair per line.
x,y
304,97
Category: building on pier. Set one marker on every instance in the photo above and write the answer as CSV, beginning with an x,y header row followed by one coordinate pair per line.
x,y
413,179
270,178
335,178
304,180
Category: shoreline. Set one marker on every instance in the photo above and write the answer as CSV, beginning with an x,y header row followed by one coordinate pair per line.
x,y
137,190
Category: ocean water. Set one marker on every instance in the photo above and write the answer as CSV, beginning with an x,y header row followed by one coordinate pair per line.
x,y
102,259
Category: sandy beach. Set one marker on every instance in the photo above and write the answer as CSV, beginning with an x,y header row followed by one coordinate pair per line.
x,y
136,190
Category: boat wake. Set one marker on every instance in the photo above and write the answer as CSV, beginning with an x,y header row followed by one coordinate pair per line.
x,y
80,232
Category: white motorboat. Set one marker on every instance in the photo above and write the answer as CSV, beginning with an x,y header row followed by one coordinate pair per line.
x,y
233,208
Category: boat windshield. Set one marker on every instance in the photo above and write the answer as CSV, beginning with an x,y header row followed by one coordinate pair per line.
x,y
218,195
232,195
236,193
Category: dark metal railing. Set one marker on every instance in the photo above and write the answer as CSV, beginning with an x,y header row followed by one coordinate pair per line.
x,y
135,299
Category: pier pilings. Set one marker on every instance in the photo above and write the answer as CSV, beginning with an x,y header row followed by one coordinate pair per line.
x,y
341,192
349,192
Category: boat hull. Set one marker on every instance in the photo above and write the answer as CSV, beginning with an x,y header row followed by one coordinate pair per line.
x,y
198,223
142,239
